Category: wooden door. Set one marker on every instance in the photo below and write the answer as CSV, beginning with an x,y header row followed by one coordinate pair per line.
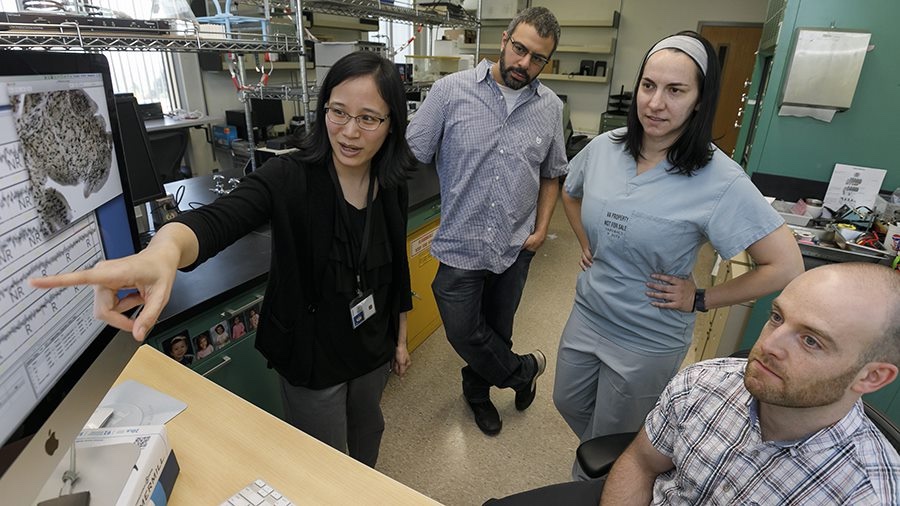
x,y
736,46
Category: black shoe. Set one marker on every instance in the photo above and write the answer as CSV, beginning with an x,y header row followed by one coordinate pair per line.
x,y
487,417
525,397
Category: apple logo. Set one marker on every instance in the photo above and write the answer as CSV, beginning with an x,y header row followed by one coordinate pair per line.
x,y
52,443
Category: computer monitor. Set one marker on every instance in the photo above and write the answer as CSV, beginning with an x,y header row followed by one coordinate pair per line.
x,y
265,113
62,208
143,180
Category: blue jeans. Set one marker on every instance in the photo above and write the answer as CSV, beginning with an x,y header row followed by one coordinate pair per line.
x,y
477,308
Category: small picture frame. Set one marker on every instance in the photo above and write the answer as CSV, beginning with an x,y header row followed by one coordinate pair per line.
x,y
252,318
178,348
238,326
586,68
203,345
220,333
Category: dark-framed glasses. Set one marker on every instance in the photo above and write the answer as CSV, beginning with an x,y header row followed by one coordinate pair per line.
x,y
364,121
521,50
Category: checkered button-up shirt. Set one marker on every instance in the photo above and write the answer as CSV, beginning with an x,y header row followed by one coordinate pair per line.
x,y
706,423
490,163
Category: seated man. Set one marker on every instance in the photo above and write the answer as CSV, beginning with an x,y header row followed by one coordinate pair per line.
x,y
785,426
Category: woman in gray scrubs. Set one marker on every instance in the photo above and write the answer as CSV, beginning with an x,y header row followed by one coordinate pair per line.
x,y
642,200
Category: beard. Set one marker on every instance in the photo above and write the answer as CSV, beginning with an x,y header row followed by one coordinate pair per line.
x,y
506,75
794,392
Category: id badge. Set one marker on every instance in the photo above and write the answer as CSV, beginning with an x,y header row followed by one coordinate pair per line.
x,y
362,308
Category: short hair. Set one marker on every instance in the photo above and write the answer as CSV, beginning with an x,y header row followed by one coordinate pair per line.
x,y
394,160
543,21
692,150
885,348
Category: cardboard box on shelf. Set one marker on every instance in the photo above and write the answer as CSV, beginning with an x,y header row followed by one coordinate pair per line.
x,y
501,9
446,48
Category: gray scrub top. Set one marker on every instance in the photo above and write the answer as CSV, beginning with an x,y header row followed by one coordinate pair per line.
x,y
655,222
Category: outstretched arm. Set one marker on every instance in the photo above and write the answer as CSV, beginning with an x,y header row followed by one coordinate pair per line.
x,y
631,479
151,272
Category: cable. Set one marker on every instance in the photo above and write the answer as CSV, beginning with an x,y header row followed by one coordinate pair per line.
x,y
179,194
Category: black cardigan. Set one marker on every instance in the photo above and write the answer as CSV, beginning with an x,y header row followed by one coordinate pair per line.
x,y
300,202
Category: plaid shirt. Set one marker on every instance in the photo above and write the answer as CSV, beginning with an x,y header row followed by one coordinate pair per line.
x,y
706,423
489,163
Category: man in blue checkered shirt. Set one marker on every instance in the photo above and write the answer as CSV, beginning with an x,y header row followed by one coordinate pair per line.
x,y
785,426
495,133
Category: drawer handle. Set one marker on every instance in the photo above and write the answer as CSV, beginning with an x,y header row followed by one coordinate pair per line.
x,y
229,313
225,361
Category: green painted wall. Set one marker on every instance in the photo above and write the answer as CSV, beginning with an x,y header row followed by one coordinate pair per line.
x,y
869,132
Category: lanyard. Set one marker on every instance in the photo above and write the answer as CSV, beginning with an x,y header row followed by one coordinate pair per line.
x,y
356,262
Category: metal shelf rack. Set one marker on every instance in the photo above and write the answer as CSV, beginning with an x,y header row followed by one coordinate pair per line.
x,y
74,36
289,92
188,38
375,9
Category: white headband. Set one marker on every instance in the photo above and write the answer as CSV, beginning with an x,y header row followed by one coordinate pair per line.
x,y
691,46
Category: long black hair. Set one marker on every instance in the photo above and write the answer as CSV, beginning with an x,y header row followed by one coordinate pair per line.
x,y
693,149
394,160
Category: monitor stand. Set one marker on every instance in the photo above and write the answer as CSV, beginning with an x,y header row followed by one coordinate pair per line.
x,y
102,473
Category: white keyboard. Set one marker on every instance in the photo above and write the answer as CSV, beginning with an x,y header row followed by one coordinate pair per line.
x,y
256,494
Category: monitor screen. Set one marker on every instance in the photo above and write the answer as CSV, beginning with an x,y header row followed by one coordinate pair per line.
x,y
143,180
62,208
267,112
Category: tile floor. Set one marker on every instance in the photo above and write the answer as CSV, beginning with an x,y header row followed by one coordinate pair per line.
x,y
431,442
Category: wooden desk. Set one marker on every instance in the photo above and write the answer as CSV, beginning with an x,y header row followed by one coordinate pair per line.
x,y
223,443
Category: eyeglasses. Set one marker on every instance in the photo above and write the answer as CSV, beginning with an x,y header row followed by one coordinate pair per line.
x,y
364,121
521,50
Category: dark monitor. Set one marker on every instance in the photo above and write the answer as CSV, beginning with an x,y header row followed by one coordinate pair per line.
x,y
265,113
62,207
143,180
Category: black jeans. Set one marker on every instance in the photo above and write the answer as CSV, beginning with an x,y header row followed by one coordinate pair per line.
x,y
477,308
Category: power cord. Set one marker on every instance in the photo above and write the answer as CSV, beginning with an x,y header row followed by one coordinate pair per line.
x,y
179,194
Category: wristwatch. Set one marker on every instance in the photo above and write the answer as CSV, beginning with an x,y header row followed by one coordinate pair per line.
x,y
700,300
